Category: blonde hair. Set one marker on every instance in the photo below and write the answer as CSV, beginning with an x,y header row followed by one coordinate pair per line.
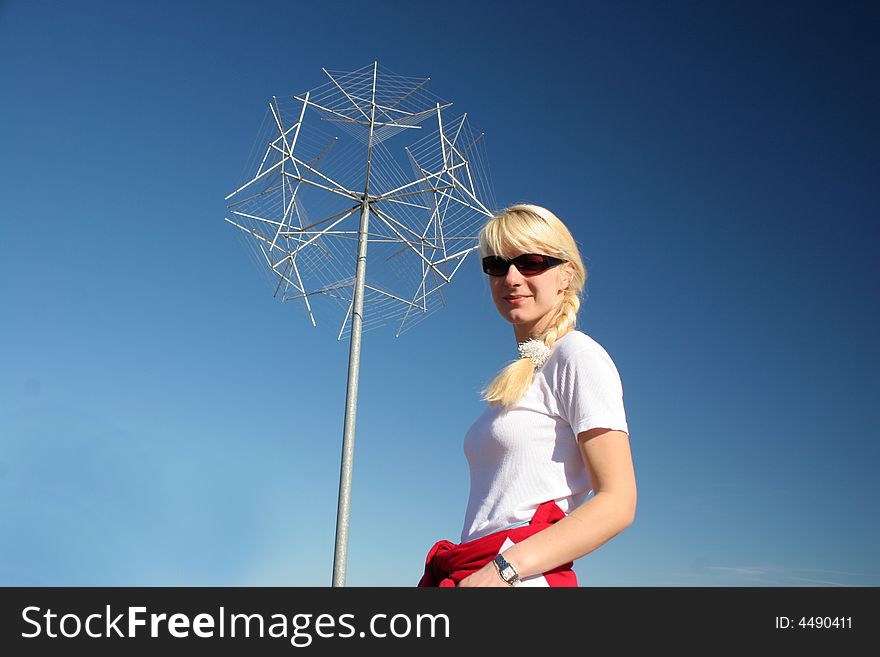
x,y
525,228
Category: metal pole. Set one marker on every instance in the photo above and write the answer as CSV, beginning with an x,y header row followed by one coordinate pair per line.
x,y
343,510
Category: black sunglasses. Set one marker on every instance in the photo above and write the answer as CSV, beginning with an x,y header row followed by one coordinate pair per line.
x,y
528,264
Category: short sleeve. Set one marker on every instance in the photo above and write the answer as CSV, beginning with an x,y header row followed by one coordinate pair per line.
x,y
590,393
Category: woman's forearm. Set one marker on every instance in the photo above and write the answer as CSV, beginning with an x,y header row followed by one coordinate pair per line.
x,y
589,526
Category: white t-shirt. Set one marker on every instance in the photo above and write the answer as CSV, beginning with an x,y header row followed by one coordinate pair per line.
x,y
529,454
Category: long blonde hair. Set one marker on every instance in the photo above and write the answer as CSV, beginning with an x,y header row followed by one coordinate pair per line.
x,y
525,228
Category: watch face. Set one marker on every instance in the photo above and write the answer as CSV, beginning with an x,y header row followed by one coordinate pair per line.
x,y
507,573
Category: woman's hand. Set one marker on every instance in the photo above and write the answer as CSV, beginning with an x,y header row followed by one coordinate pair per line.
x,y
488,575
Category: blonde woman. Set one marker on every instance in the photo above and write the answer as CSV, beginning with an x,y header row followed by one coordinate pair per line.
x,y
554,428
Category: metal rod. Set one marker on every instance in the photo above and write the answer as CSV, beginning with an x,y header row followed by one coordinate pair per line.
x,y
343,511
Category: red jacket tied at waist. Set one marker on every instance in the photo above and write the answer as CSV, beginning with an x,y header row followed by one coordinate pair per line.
x,y
449,563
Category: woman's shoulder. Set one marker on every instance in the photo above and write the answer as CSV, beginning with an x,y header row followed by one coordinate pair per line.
x,y
580,351
581,361
575,342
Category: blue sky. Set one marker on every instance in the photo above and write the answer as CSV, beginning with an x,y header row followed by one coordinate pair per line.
x,y
165,421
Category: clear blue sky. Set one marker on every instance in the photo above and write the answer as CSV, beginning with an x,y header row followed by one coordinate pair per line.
x,y
165,421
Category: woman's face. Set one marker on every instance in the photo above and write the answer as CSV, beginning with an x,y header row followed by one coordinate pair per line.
x,y
529,302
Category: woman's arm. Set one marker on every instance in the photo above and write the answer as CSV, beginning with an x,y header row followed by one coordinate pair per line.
x,y
612,509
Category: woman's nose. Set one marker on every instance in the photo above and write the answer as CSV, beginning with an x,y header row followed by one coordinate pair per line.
x,y
513,275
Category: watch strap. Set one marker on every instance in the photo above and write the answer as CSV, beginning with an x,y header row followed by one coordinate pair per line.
x,y
506,570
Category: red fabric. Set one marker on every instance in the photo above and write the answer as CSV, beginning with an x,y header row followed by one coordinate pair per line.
x,y
449,563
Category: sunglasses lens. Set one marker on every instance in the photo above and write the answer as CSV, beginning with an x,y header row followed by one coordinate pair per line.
x,y
530,263
495,266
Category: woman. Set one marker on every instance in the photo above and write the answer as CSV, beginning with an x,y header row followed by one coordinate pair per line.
x,y
554,427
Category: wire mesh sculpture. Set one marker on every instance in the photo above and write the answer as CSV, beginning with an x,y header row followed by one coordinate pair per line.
x,y
325,182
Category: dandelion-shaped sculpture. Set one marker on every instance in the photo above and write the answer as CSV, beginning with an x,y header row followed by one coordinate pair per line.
x,y
369,158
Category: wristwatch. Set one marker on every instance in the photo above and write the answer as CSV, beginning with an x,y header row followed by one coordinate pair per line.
x,y
506,570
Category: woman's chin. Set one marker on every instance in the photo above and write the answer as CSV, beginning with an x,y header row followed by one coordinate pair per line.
x,y
517,318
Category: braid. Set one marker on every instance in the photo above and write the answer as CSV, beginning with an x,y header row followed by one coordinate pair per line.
x,y
511,384
513,381
565,319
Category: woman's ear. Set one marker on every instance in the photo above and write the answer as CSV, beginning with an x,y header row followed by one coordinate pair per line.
x,y
567,275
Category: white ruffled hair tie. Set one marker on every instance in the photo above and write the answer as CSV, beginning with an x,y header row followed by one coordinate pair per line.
x,y
536,351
